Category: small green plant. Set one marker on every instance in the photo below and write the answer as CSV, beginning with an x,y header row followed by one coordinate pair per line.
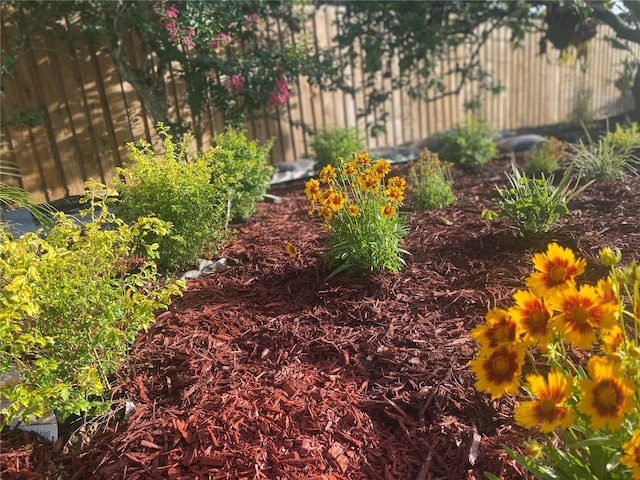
x,y
430,181
190,194
469,144
570,354
582,112
545,158
72,303
535,205
609,159
624,139
332,143
244,165
360,209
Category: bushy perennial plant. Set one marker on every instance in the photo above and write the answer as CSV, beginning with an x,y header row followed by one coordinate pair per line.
x,y
430,181
577,347
360,207
546,157
332,143
72,303
469,144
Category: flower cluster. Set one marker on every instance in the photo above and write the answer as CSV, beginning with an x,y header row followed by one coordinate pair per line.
x,y
280,93
235,85
218,43
360,208
176,33
588,383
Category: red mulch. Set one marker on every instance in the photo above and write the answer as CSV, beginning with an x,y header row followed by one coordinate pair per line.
x,y
267,371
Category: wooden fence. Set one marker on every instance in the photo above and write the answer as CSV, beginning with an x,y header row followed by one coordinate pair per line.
x,y
67,114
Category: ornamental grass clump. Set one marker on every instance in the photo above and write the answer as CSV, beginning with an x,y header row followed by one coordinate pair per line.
x,y
360,207
431,183
570,353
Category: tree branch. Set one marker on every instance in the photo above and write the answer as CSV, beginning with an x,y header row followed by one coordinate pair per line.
x,y
623,30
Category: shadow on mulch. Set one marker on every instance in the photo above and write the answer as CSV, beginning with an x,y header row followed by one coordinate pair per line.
x,y
266,370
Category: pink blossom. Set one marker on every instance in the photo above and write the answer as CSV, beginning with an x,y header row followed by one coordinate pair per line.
x,y
216,44
235,85
253,20
187,42
191,32
173,12
170,26
280,94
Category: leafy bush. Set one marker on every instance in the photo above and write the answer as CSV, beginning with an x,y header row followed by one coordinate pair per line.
x,y
545,158
582,348
469,144
535,205
609,159
188,194
244,165
430,181
624,139
360,209
332,143
72,304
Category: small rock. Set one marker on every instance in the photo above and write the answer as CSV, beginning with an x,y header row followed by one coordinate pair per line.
x,y
207,267
520,143
269,198
190,274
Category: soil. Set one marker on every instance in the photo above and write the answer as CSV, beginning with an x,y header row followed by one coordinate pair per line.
x,y
266,370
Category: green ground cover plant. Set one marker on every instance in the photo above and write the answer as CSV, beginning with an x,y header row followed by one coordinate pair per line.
x,y
332,143
546,157
430,181
469,144
72,303
190,193
579,345
360,207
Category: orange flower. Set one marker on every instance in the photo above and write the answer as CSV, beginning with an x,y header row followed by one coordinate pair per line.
x,y
312,189
353,210
533,316
327,174
557,269
381,168
498,371
398,182
362,159
336,202
499,329
369,181
387,211
395,194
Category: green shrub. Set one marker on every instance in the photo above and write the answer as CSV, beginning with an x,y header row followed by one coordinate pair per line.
x,y
186,193
535,205
332,143
545,158
245,167
469,144
624,138
431,183
72,304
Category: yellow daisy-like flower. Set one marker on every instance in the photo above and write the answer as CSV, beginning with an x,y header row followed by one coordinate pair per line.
x,y
608,291
579,313
387,211
397,182
312,189
362,158
326,213
499,329
324,196
631,457
533,315
556,269
395,194
547,411
381,168
353,210
606,395
336,202
369,181
292,250
498,371
350,168
327,174
613,339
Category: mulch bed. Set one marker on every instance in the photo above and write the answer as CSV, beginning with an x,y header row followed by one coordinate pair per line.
x,y
267,371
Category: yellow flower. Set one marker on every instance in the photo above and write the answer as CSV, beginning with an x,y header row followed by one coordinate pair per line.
x,y
368,181
292,250
613,339
325,196
631,457
498,371
381,168
350,168
387,211
533,316
499,329
326,213
557,269
395,194
312,189
579,313
336,202
547,411
353,210
606,395
362,158
327,174
397,182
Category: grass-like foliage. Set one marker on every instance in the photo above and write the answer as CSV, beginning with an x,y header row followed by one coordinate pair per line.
x,y
244,165
579,346
332,143
612,157
191,194
430,181
546,157
360,207
535,205
469,144
72,303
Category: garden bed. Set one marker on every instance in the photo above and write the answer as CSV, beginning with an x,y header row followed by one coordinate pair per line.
x,y
266,370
